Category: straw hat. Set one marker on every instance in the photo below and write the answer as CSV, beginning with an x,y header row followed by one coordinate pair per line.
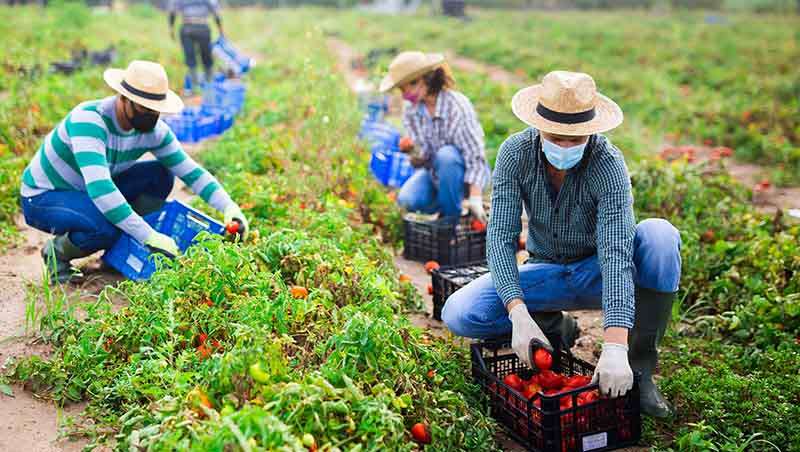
x,y
566,103
409,65
146,84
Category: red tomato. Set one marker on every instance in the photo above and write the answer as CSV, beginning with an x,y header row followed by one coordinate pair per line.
x,y
530,390
551,380
478,226
420,433
543,359
430,266
202,337
405,143
232,227
577,381
588,397
513,381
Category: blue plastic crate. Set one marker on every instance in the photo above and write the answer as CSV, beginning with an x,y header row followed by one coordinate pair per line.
x,y
380,133
391,167
176,220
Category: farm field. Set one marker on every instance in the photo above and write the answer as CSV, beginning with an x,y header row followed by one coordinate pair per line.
x,y
226,348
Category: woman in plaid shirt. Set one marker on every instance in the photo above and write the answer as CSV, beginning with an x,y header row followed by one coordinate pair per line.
x,y
446,139
587,251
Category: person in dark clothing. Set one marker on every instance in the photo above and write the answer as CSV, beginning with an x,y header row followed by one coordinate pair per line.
x,y
195,33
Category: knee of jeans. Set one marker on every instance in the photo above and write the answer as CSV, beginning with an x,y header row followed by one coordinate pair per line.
x,y
405,199
658,254
457,315
447,156
453,315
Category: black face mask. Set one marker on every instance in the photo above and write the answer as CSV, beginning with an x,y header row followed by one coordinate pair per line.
x,y
142,121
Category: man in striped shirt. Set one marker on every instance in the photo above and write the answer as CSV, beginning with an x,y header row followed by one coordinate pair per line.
x,y
444,129
587,251
86,185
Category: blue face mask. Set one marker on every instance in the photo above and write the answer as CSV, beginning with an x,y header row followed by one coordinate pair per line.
x,y
560,157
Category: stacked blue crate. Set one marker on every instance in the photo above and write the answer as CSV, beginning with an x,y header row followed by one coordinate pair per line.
x,y
222,100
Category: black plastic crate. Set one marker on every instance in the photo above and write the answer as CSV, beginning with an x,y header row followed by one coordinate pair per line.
x,y
447,244
446,280
540,424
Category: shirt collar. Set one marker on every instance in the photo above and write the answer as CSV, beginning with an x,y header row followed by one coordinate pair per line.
x,y
422,109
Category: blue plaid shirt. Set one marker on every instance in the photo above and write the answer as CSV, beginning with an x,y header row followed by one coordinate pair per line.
x,y
592,213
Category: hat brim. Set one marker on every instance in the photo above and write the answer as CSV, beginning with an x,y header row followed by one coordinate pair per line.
x,y
434,61
608,115
169,105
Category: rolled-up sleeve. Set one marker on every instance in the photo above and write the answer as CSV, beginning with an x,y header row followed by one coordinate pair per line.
x,y
616,228
505,224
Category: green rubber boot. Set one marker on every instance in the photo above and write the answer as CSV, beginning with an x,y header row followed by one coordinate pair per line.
x,y
558,323
653,311
57,254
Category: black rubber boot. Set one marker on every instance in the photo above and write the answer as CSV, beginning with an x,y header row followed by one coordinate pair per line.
x,y
57,254
653,311
559,324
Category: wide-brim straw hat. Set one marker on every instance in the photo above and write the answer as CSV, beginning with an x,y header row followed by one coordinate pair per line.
x,y
566,103
145,83
409,65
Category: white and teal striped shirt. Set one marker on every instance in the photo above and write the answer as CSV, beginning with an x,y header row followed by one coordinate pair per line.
x,y
88,148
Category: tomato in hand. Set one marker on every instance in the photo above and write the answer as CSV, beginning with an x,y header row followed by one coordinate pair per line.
x,y
543,359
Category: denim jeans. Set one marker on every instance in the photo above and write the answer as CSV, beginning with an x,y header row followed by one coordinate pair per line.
x,y
73,212
476,310
420,194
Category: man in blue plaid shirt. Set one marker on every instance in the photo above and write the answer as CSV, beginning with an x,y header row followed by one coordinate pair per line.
x,y
587,251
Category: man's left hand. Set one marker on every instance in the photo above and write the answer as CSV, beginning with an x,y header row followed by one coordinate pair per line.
x,y
613,370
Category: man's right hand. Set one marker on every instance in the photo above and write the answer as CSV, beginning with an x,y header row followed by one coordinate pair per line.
x,y
161,243
523,330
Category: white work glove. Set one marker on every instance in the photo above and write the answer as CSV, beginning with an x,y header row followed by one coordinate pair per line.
x,y
613,370
162,244
476,207
523,330
233,212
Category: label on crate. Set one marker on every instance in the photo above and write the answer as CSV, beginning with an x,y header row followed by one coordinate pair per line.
x,y
596,441
134,263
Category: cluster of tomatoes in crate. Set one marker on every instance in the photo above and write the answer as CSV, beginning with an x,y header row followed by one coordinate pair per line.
x,y
572,399
549,383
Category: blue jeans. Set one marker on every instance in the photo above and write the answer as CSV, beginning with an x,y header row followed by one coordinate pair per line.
x,y
73,212
419,193
476,310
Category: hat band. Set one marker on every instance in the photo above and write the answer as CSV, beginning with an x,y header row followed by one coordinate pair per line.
x,y
564,118
141,93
